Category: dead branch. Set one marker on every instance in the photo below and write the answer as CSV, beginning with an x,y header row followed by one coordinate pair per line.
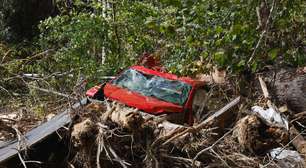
x,y
47,52
266,94
53,92
211,147
188,161
19,147
123,163
264,88
5,55
266,26
216,116
298,141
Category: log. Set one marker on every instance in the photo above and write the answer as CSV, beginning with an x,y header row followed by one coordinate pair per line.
x,y
290,88
298,142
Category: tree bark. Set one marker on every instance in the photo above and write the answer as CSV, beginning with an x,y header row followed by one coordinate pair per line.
x,y
290,88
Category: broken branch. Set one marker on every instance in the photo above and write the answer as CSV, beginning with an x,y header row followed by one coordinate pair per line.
x,y
215,116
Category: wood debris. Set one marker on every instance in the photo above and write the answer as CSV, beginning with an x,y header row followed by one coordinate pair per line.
x,y
109,134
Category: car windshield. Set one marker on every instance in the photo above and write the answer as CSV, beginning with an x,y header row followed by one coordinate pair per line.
x,y
149,85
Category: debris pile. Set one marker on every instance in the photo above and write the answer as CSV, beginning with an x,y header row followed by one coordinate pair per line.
x,y
125,137
18,121
239,134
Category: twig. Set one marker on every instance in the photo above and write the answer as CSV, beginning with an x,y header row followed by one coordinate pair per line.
x,y
266,93
211,147
300,124
19,147
118,159
70,165
168,136
101,144
43,77
262,34
46,52
5,55
9,93
33,161
8,119
298,116
53,92
213,151
197,163
99,150
200,110
264,88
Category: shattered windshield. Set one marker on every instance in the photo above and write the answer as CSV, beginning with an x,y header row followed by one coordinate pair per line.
x,y
149,85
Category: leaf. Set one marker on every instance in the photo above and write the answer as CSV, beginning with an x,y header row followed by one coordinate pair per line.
x,y
273,53
220,58
241,63
150,23
254,66
210,13
219,29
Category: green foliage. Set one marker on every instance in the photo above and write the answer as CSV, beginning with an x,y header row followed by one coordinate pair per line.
x,y
94,38
78,39
213,31
83,38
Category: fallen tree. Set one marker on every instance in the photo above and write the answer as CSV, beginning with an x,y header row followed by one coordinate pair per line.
x,y
152,136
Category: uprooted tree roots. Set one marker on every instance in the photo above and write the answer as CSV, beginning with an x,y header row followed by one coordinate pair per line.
x,y
256,137
107,138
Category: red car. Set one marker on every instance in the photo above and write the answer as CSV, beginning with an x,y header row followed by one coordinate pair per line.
x,y
154,92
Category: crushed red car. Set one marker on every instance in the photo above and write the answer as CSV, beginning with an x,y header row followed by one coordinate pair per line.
x,y
155,92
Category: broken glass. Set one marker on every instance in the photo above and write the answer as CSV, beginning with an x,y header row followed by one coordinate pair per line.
x,y
149,85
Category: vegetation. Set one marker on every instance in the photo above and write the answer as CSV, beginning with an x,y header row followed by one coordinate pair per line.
x,y
94,38
53,46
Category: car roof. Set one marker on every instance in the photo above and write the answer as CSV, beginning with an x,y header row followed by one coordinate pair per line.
x,y
169,76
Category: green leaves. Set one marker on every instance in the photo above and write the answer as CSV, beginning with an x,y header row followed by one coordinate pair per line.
x,y
223,33
187,36
273,53
220,58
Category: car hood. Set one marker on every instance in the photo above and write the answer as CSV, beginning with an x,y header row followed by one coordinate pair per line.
x,y
136,100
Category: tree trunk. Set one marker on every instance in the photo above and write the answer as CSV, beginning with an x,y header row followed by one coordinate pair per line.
x,y
290,88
